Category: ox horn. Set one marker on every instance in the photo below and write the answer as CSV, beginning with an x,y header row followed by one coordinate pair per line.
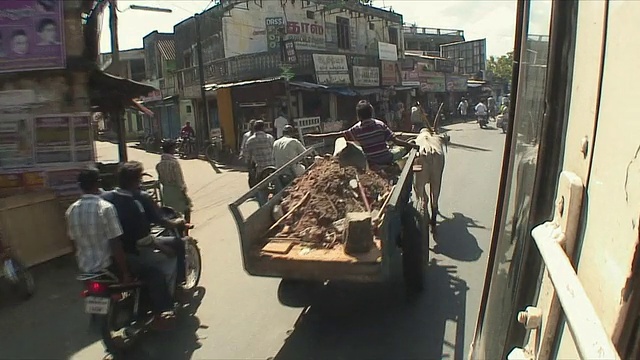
x,y
435,121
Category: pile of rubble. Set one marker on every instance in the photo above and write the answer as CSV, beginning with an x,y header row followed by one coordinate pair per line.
x,y
316,203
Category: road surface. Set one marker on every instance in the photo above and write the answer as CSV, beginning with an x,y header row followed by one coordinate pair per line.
x,y
240,317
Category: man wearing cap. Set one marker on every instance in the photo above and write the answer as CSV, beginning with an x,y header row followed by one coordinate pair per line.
x,y
286,149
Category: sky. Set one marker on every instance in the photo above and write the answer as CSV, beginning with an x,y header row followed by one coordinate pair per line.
x,y
493,20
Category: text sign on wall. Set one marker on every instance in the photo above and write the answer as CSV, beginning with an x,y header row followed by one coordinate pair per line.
x,y
273,26
432,82
389,73
331,69
366,76
387,52
306,35
31,35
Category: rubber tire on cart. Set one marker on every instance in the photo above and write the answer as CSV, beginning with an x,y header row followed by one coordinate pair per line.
x,y
414,248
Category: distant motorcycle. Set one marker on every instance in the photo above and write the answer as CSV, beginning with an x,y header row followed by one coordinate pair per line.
x,y
186,146
483,120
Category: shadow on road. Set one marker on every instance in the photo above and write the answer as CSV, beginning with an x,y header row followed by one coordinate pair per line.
x,y
52,324
467,147
377,321
454,240
177,344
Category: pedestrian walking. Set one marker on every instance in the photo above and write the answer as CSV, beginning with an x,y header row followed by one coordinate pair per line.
x,y
174,188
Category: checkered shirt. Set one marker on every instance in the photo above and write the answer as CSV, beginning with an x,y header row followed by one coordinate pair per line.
x,y
91,223
259,149
170,172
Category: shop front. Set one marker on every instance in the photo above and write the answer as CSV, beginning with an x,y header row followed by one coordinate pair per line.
x,y
433,92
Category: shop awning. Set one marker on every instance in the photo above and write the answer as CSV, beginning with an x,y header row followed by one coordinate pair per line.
x,y
342,91
371,91
307,85
109,92
138,106
209,87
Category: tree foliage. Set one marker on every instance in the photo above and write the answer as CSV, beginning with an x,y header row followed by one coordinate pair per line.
x,y
501,67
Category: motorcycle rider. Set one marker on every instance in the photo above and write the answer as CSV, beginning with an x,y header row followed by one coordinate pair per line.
x,y
481,112
94,228
137,211
188,134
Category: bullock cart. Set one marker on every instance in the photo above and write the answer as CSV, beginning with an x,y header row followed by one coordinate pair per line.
x,y
401,239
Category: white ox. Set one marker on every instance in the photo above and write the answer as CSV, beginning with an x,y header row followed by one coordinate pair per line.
x,y
430,160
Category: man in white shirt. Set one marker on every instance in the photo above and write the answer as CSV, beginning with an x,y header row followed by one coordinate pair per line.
x,y
95,230
280,122
286,149
481,109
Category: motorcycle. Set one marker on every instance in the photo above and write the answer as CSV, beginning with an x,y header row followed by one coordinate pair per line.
x,y
483,120
123,311
186,146
16,274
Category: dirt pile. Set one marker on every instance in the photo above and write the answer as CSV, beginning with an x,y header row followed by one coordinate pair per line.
x,y
325,196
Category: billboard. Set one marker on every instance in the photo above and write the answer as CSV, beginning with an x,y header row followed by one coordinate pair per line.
x,y
468,57
31,35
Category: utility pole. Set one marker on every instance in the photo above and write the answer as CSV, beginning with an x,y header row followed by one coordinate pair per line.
x,y
115,114
203,125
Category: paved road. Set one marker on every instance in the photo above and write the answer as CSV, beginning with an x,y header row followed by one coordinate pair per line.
x,y
239,317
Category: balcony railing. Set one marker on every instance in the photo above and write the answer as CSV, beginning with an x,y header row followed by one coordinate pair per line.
x,y
431,31
256,66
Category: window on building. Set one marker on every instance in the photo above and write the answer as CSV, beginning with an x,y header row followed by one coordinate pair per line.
x,y
159,67
344,33
187,60
188,108
393,36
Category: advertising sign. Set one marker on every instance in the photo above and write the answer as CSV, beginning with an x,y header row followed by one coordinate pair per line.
x,y
31,35
456,83
274,36
432,82
307,36
53,140
331,69
410,78
16,145
366,76
82,144
387,52
389,73
64,182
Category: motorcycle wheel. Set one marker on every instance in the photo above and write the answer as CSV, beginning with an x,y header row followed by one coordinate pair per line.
x,y
212,153
119,320
193,263
22,282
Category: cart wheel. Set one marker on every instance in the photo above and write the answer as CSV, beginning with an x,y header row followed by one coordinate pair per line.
x,y
413,249
297,293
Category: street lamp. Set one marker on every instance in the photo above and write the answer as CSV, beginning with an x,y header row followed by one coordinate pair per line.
x,y
115,63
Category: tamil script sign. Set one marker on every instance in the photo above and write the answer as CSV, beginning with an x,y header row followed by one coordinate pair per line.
x,y
432,82
31,35
331,69
366,76
306,35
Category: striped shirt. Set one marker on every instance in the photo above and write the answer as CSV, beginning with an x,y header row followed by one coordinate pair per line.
x,y
170,172
372,135
259,149
91,223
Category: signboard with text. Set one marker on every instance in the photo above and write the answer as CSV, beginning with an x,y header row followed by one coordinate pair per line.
x,y
273,32
456,83
366,76
387,52
331,69
31,35
308,36
432,82
389,73
16,146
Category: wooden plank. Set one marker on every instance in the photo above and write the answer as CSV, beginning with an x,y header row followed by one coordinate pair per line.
x,y
278,246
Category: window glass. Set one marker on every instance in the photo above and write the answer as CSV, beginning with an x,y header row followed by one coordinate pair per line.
x,y
515,231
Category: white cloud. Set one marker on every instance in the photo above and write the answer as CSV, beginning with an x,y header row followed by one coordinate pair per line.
x,y
493,20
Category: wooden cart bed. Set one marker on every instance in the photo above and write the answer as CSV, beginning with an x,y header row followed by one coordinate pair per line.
x,y
292,251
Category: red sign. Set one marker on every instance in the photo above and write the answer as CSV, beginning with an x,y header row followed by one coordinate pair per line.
x,y
390,73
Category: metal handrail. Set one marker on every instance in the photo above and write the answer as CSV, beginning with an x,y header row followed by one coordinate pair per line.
x,y
587,331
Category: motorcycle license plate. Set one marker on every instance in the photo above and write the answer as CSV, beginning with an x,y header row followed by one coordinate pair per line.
x,y
96,305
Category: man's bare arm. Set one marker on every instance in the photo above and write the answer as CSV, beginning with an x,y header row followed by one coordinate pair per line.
x,y
325,135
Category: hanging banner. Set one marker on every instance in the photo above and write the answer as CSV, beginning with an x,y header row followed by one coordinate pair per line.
x,y
366,76
31,35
